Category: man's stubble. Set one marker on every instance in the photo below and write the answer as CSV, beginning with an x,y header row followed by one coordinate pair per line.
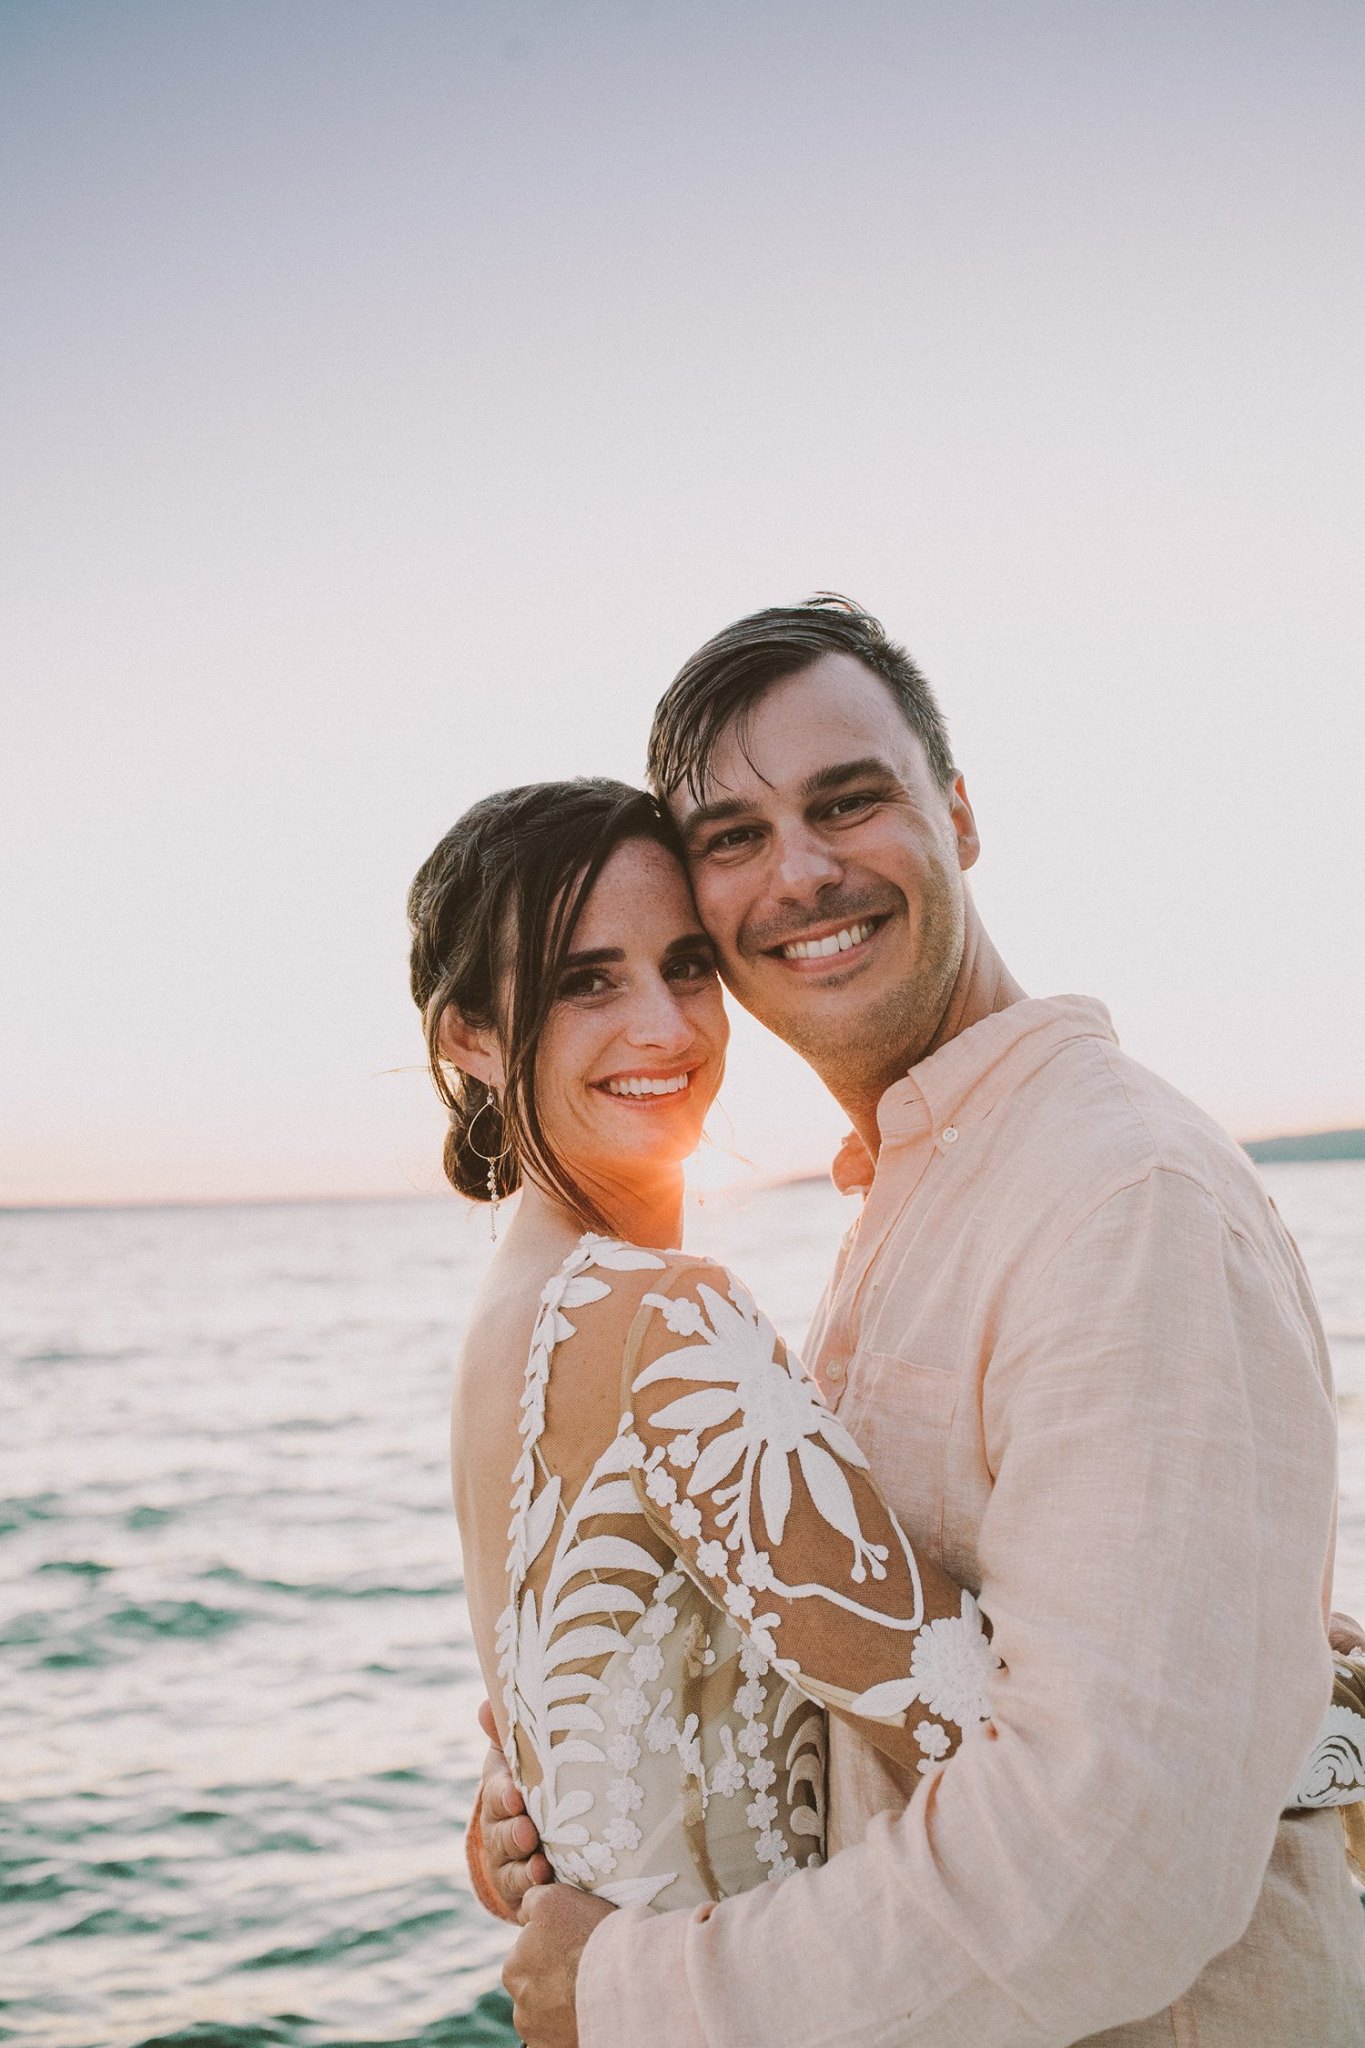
x,y
859,1049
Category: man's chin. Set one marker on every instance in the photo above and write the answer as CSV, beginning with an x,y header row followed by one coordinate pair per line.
x,y
848,1032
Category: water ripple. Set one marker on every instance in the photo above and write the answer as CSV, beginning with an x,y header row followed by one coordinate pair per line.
x,y
237,1690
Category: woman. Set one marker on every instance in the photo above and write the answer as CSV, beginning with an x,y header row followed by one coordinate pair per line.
x,y
700,1566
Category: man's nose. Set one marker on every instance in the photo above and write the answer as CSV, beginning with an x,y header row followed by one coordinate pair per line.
x,y
803,865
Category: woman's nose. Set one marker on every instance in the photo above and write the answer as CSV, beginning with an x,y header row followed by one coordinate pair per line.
x,y
659,1020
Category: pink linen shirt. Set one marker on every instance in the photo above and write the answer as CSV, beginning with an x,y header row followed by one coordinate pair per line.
x,y
1081,1352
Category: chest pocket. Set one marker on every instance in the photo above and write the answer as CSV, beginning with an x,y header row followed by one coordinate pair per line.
x,y
899,1414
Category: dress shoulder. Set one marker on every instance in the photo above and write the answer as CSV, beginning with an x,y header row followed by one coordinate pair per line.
x,y
571,1399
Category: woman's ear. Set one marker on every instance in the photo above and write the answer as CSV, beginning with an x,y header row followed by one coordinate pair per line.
x,y
471,1048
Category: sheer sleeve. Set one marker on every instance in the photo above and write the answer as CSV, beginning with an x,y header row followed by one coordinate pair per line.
x,y
770,1507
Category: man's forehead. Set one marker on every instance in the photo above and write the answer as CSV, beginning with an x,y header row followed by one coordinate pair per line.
x,y
803,726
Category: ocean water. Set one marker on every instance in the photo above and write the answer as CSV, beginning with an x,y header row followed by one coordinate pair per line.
x,y
237,1693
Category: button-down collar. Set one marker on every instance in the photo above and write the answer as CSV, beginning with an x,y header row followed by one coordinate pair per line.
x,y
962,1082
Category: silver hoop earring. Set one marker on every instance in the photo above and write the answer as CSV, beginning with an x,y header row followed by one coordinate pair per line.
x,y
491,1160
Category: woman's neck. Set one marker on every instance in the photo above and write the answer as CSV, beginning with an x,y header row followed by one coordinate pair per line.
x,y
650,1217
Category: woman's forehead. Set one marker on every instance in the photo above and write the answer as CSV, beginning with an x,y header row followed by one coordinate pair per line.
x,y
641,887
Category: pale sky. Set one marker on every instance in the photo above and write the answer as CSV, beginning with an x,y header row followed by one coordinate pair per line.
x,y
394,394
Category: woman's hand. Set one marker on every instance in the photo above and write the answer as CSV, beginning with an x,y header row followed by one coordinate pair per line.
x,y
512,1853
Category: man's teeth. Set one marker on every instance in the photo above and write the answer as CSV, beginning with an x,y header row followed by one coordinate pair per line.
x,y
637,1084
821,949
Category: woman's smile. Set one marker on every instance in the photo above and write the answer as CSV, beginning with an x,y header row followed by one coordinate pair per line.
x,y
645,1090
631,1054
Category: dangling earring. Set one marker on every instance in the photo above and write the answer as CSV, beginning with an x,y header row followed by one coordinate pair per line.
x,y
492,1161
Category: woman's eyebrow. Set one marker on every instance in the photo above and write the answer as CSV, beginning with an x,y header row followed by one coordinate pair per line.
x,y
598,956
687,943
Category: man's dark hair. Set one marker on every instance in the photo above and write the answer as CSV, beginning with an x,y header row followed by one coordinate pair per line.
x,y
724,679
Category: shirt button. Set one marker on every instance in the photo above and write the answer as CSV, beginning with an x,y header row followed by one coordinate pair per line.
x,y
834,1371
950,1134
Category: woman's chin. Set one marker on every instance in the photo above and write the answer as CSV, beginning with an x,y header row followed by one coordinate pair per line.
x,y
642,1158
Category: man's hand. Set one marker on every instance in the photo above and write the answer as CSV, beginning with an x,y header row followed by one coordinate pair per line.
x,y
541,1973
1345,1634
511,1846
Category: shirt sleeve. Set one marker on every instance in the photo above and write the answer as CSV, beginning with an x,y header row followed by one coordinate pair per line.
x,y
770,1507
1152,1556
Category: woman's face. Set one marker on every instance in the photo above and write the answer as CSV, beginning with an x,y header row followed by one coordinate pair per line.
x,y
631,1055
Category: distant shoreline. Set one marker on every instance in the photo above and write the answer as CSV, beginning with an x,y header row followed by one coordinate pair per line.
x,y
1308,1145
1304,1147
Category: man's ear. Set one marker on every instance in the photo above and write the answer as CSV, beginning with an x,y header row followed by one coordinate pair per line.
x,y
964,824
473,1048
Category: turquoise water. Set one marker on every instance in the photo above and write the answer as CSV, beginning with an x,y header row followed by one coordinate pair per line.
x,y
237,1693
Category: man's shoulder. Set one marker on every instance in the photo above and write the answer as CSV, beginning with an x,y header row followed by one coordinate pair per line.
x,y
1106,1122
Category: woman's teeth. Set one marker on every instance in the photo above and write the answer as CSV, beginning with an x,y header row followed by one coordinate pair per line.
x,y
837,942
637,1084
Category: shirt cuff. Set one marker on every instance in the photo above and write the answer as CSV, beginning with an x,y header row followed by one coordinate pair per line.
x,y
629,1956
476,1857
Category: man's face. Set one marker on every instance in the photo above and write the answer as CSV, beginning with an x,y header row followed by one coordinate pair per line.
x,y
827,865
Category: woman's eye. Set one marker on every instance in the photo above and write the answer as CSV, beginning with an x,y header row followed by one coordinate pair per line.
x,y
584,981
693,967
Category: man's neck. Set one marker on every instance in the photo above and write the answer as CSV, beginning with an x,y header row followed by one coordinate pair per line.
x,y
983,984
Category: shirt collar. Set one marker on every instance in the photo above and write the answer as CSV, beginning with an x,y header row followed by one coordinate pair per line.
x,y
962,1082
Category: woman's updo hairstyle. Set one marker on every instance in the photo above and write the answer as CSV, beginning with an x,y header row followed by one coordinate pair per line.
x,y
492,914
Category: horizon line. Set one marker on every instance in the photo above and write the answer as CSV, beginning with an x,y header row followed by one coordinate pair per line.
x,y
759,1183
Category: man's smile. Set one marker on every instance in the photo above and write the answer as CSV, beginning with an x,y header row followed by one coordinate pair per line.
x,y
842,941
824,946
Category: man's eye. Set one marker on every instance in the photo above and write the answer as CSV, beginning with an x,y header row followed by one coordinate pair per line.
x,y
849,806
732,840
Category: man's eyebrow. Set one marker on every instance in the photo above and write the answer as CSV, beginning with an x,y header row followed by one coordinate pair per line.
x,y
711,814
847,771
833,777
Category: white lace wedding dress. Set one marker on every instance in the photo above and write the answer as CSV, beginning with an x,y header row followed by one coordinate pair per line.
x,y
724,1571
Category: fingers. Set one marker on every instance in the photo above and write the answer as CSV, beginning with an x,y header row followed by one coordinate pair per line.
x,y
489,1724
512,1853
1346,1634
501,1799
539,1871
512,1840
513,1858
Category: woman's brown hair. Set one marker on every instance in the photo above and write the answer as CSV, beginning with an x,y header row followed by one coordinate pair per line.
x,y
492,913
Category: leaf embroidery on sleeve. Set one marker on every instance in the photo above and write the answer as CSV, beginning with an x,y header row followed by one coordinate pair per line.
x,y
760,1416
772,1413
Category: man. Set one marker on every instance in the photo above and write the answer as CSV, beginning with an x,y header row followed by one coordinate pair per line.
x,y
1082,1356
